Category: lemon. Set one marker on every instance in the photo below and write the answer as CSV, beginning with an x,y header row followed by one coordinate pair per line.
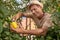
x,y
14,24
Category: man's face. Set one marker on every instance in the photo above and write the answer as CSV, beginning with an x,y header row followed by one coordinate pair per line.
x,y
36,10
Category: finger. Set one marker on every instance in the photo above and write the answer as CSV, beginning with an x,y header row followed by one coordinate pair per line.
x,y
20,25
15,17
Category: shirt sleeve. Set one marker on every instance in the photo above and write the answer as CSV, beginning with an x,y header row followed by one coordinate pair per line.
x,y
28,14
48,23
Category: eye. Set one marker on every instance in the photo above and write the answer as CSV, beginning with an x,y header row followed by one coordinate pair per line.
x,y
34,9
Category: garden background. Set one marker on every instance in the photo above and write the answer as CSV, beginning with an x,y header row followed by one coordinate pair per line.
x,y
8,8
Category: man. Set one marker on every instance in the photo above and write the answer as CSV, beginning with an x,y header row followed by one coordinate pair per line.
x,y
42,20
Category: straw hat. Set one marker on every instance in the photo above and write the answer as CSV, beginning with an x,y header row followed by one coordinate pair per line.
x,y
35,2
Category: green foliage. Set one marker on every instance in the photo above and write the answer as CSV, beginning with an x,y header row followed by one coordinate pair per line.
x,y
1,27
8,8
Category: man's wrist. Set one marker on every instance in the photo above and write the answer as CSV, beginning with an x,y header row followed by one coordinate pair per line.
x,y
21,31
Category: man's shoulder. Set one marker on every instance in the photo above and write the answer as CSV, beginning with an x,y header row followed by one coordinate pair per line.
x,y
47,14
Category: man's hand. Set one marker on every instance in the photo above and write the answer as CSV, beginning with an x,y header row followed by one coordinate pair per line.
x,y
17,30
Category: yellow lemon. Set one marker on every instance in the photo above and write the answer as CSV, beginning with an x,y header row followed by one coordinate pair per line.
x,y
14,25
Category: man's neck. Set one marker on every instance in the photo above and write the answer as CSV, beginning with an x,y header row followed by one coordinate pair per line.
x,y
41,16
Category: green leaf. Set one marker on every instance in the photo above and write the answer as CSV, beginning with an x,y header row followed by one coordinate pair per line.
x,y
1,39
1,27
11,38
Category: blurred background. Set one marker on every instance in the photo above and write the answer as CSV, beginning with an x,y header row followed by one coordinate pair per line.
x,y
9,8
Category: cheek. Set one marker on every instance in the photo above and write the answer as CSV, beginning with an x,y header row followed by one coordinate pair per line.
x,y
38,10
